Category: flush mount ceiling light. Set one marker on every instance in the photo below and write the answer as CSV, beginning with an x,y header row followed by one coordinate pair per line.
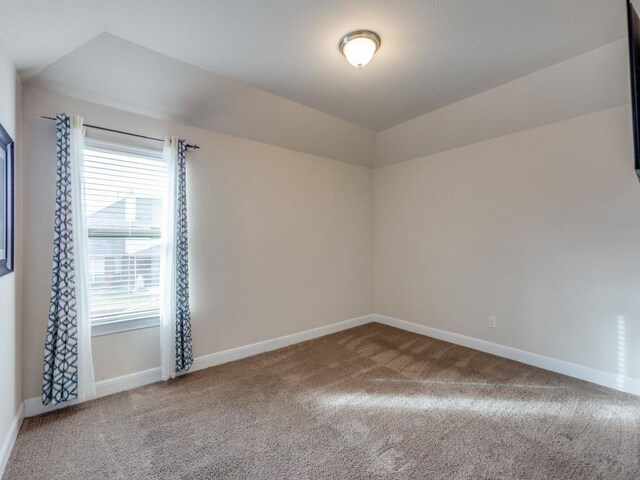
x,y
359,47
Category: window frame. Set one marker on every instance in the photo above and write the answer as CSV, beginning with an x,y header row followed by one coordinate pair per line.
x,y
136,322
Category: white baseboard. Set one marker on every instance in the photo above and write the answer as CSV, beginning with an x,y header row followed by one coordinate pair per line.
x,y
127,382
10,439
34,406
600,377
225,356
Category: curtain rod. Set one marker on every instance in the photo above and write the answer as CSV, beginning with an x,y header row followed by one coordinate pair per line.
x,y
189,146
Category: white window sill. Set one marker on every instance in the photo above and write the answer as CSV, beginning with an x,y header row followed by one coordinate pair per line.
x,y
117,326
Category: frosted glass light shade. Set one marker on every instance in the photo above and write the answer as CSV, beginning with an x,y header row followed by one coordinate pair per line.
x,y
359,47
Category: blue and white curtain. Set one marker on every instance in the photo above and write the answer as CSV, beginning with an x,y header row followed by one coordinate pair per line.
x,y
175,331
68,368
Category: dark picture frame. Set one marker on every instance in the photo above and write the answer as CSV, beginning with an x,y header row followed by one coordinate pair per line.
x,y
7,196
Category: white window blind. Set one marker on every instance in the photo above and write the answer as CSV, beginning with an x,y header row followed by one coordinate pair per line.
x,y
124,189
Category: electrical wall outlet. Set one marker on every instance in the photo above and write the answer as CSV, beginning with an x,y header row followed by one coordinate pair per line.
x,y
493,321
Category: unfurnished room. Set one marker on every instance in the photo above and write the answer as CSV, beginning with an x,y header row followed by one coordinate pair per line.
x,y
329,239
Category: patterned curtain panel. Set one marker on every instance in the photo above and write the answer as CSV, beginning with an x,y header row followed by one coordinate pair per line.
x,y
68,372
175,328
184,354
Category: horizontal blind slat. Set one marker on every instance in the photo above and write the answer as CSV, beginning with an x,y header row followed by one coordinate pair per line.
x,y
123,195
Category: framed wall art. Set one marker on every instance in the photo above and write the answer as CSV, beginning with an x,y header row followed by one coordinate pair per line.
x,y
7,195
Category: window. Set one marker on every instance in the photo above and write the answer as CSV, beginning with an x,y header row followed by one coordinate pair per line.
x,y
124,189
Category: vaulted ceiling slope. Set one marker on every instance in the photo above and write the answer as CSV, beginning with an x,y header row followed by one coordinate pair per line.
x,y
434,52
111,71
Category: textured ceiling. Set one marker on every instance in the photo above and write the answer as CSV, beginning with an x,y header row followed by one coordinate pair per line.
x,y
434,52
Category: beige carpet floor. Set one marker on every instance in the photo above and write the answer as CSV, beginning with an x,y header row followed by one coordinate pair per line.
x,y
370,402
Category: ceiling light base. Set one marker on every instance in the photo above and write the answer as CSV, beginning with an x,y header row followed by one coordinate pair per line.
x,y
359,46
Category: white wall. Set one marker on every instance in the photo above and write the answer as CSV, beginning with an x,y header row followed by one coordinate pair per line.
x,y
10,291
280,241
590,82
540,228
